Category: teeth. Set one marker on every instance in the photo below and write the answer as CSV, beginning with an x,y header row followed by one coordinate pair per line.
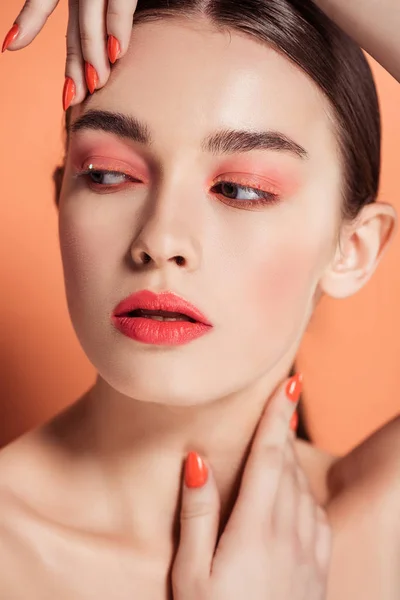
x,y
157,318
176,317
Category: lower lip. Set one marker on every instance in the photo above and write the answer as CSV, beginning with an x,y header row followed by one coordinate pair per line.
x,y
162,333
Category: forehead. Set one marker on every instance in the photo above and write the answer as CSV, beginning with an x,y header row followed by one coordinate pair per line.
x,y
185,79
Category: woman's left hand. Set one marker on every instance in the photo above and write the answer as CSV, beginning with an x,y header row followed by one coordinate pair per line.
x,y
98,33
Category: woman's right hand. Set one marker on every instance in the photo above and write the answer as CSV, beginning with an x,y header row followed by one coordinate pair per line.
x,y
277,542
98,34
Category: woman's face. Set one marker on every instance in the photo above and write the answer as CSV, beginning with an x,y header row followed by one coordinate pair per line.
x,y
251,259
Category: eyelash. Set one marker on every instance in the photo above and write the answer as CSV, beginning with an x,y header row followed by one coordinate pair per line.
x,y
267,197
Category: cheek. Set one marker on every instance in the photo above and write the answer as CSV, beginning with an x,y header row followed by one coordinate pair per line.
x,y
84,257
281,287
283,278
74,251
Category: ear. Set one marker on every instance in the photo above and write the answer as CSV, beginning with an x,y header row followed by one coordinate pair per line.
x,y
361,245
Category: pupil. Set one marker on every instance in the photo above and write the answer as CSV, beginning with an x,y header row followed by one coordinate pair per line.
x,y
96,175
229,189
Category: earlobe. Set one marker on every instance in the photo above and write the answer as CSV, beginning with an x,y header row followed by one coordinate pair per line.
x,y
361,247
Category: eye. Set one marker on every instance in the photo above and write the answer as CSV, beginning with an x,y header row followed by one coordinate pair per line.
x,y
237,194
105,180
111,178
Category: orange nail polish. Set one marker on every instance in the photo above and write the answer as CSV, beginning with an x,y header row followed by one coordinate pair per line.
x,y
10,37
91,77
68,92
294,421
196,471
113,48
293,387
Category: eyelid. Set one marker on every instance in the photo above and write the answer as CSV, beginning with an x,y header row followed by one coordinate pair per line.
x,y
254,181
104,164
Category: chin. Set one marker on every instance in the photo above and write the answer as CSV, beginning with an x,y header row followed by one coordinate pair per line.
x,y
158,390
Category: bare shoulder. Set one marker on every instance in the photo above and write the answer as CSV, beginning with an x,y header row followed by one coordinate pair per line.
x,y
40,512
370,470
19,472
26,466
37,467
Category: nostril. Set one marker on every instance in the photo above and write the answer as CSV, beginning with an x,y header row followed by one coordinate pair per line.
x,y
180,260
145,258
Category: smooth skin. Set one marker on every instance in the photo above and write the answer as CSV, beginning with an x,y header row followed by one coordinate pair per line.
x,y
338,485
275,518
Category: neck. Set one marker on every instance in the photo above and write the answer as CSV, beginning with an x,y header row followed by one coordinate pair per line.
x,y
139,448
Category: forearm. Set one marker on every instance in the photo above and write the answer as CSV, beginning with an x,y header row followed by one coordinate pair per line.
x,y
373,24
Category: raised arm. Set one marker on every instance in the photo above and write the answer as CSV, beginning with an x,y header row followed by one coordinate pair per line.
x,y
373,24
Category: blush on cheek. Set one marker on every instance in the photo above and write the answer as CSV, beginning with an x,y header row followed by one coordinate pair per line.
x,y
282,288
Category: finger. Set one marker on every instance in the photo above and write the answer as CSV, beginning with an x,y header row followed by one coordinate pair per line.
x,y
307,515
29,23
93,35
284,515
293,524
119,27
315,544
294,421
324,540
199,521
318,584
264,466
75,88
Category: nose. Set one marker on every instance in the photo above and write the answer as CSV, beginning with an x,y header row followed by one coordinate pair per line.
x,y
167,236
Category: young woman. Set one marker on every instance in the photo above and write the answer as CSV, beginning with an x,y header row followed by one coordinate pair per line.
x,y
222,181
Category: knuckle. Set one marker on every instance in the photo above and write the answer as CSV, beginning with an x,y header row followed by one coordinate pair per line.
x,y
272,456
113,12
87,38
194,510
73,54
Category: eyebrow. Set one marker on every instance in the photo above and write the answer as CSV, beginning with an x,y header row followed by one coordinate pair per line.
x,y
227,141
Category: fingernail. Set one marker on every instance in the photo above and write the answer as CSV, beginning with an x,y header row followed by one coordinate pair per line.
x,y
196,471
68,92
294,421
113,48
10,37
293,387
91,77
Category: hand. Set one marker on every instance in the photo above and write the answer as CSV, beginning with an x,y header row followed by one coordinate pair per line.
x,y
98,33
277,542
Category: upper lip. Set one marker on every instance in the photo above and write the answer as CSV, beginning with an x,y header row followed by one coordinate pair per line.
x,y
164,301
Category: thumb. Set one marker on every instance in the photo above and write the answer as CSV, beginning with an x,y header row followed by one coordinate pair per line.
x,y
199,521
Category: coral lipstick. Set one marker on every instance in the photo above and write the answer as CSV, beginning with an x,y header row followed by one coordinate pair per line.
x,y
161,319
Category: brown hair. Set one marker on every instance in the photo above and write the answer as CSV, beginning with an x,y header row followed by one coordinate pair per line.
x,y
305,35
